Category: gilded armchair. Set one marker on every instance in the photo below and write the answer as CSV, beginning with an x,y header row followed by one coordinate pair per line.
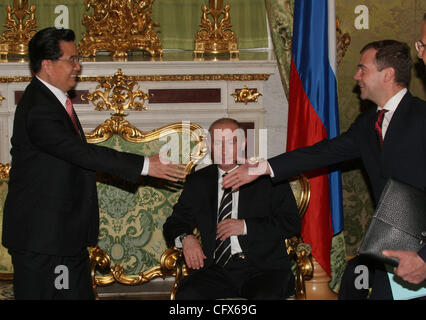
x,y
131,249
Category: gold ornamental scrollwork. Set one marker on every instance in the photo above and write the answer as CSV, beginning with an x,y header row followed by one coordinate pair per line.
x,y
216,35
118,125
246,95
117,93
342,42
20,27
2,98
4,171
119,26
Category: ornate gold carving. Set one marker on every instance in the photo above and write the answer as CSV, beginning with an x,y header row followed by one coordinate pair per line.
x,y
4,171
119,26
171,77
216,36
246,95
15,39
304,264
100,259
343,42
117,94
118,125
302,192
2,98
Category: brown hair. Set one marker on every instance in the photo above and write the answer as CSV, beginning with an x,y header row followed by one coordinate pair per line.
x,y
393,54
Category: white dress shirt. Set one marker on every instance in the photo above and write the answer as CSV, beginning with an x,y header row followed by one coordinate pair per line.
x,y
62,97
235,245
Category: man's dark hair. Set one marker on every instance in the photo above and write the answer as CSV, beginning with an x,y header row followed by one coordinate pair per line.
x,y
45,45
393,54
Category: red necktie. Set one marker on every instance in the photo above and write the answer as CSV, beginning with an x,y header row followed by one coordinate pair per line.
x,y
72,114
378,125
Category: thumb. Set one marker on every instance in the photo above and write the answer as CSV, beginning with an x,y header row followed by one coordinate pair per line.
x,y
391,253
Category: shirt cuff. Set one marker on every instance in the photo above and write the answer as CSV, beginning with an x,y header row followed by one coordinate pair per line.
x,y
270,169
178,243
145,166
245,228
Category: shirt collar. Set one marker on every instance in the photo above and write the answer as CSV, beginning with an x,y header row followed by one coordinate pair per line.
x,y
59,94
393,102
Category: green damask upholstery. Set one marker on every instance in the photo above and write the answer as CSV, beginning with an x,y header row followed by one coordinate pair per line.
x,y
132,215
6,268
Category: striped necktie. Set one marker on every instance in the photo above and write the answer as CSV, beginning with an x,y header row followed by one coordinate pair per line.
x,y
72,114
223,248
378,125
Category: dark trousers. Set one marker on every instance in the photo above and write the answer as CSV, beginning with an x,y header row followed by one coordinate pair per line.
x,y
45,277
377,280
237,279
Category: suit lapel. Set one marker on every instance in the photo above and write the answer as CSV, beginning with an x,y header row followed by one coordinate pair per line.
x,y
398,122
58,106
246,195
211,187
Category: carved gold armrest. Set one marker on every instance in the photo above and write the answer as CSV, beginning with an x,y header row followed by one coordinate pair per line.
x,y
305,267
173,263
99,259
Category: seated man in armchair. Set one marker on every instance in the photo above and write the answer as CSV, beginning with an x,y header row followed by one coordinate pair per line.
x,y
242,251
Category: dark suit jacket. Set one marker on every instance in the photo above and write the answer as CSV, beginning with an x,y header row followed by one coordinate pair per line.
x,y
270,213
52,205
403,155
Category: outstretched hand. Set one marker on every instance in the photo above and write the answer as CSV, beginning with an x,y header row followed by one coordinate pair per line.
x,y
160,167
244,174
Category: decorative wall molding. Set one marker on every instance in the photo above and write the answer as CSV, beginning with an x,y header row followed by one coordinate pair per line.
x,y
167,77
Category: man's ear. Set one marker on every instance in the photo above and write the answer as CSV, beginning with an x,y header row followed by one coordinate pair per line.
x,y
389,74
46,65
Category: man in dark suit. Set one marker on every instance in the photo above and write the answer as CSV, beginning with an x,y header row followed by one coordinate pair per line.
x,y
411,268
242,251
51,211
396,150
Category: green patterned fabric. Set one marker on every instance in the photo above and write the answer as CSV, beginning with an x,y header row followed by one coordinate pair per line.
x,y
280,16
5,259
132,215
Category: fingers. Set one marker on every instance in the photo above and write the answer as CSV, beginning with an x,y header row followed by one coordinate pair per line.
x,y
245,173
392,253
194,259
193,253
175,172
164,169
229,227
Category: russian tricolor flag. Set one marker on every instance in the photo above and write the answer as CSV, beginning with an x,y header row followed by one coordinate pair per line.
x,y
313,116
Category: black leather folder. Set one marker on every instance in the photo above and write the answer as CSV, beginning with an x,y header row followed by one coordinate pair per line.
x,y
398,223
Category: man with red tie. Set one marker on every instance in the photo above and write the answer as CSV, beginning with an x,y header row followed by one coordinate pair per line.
x,y
51,211
390,139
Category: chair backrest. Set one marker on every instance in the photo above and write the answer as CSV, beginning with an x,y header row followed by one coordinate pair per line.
x,y
132,215
6,268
